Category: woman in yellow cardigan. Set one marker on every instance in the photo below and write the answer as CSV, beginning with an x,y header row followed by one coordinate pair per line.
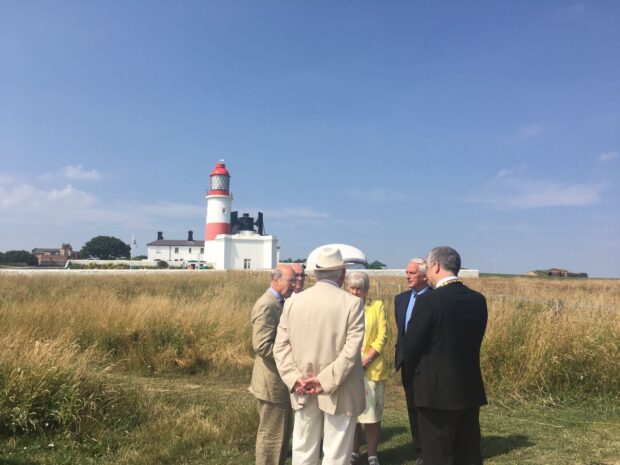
x,y
375,368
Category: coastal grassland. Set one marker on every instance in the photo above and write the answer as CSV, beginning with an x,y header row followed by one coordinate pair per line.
x,y
151,368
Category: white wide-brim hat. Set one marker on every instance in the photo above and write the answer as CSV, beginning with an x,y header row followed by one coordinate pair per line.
x,y
329,258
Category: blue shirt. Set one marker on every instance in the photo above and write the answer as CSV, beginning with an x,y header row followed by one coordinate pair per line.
x,y
277,295
409,313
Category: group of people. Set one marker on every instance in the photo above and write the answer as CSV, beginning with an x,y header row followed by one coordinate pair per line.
x,y
319,372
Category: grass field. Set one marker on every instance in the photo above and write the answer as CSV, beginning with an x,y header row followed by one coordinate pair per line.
x,y
153,369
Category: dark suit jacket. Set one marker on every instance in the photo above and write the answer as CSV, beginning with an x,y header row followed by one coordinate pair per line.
x,y
401,301
442,348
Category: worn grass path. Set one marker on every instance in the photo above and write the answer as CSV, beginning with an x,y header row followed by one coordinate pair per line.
x,y
191,416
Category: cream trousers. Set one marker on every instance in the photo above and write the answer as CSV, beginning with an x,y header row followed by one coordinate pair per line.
x,y
337,432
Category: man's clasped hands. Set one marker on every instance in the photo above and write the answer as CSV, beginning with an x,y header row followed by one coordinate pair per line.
x,y
308,385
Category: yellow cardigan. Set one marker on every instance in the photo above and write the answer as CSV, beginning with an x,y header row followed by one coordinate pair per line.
x,y
375,336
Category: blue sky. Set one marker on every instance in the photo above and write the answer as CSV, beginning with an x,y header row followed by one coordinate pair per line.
x,y
490,126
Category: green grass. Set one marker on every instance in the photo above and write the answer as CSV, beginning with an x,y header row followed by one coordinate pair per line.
x,y
192,418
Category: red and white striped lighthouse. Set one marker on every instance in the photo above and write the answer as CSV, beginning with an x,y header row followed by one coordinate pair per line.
x,y
218,203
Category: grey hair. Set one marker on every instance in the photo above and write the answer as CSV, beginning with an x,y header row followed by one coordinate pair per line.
x,y
332,275
448,258
276,274
358,280
421,265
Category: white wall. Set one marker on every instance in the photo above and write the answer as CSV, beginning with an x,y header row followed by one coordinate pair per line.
x,y
174,253
228,252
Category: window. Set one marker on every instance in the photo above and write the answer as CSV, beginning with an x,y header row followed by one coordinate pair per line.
x,y
247,262
190,250
176,250
202,250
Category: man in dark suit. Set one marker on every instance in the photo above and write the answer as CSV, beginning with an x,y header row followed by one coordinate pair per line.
x,y
442,354
404,304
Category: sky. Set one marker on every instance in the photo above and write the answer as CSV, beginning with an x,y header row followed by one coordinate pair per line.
x,y
492,127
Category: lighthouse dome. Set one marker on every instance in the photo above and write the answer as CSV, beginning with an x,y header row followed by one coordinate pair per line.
x,y
353,257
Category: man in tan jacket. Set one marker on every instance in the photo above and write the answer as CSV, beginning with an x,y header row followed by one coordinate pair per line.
x,y
274,407
317,352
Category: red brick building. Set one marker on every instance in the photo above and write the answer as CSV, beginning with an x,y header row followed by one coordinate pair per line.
x,y
54,257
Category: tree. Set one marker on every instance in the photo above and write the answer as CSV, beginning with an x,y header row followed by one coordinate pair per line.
x,y
105,248
377,265
19,257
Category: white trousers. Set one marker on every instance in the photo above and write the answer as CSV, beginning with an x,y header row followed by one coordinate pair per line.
x,y
337,432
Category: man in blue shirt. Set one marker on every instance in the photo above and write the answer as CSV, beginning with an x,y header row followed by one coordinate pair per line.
x,y
404,306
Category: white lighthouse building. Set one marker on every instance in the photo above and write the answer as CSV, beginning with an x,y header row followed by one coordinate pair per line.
x,y
231,242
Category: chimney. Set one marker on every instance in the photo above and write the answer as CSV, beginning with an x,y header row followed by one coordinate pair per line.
x,y
190,235
160,236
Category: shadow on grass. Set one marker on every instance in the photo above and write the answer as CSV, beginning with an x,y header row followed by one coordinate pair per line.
x,y
397,455
493,446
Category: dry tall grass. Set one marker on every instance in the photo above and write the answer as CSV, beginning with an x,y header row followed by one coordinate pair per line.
x,y
53,384
193,322
551,339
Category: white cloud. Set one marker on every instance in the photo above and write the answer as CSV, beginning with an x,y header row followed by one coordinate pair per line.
x,y
68,206
376,195
5,178
26,204
536,194
607,156
506,172
531,130
510,189
79,173
28,197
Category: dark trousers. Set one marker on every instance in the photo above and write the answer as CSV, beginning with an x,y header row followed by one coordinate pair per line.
x,y
450,437
411,412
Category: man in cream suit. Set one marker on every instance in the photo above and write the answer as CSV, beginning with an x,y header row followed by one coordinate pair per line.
x,y
274,407
317,352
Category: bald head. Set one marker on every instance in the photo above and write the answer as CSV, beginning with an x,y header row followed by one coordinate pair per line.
x,y
283,280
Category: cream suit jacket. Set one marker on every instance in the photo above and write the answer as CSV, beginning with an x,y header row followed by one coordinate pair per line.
x,y
321,331
266,383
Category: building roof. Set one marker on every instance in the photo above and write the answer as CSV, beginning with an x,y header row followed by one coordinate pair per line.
x,y
41,250
172,242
